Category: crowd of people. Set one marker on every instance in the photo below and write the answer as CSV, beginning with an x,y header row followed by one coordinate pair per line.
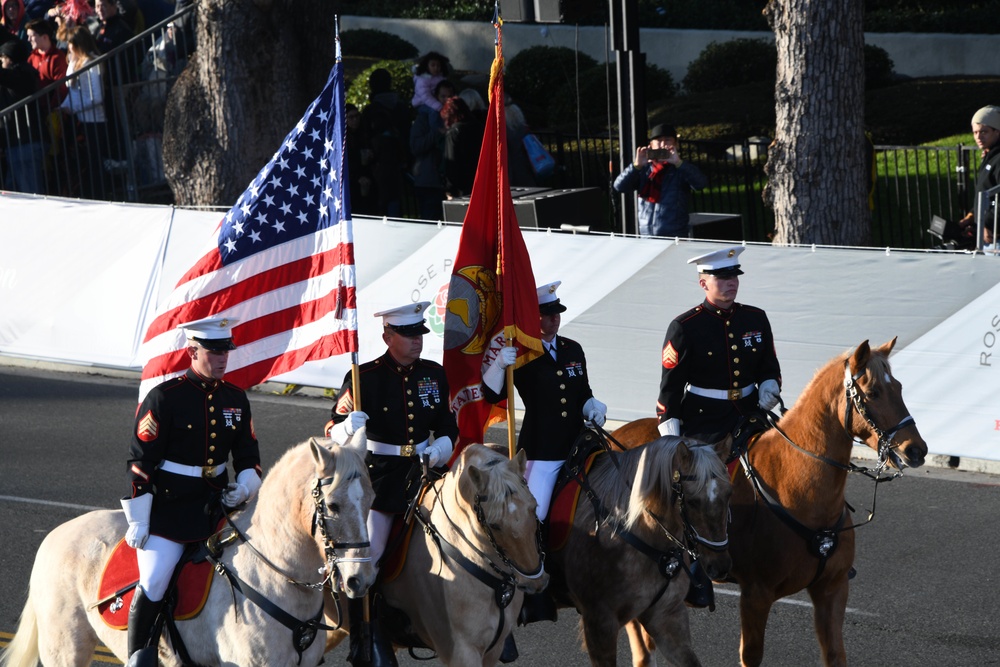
x,y
430,145
43,44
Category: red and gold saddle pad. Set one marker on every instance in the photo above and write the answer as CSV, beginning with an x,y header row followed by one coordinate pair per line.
x,y
563,509
394,560
121,571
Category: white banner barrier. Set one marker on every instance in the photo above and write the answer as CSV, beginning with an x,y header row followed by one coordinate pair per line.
x,y
79,282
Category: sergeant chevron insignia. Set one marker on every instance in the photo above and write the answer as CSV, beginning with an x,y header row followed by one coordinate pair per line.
x,y
148,427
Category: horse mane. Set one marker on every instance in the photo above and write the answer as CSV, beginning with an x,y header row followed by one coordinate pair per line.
x,y
654,472
502,481
827,383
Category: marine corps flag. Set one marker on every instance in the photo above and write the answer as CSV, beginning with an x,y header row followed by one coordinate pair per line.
x,y
491,297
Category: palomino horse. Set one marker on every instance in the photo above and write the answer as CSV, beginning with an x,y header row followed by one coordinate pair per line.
x,y
648,509
313,500
791,528
466,572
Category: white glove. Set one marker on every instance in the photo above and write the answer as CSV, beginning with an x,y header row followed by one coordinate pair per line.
x,y
137,512
769,394
671,426
342,432
439,451
494,375
243,489
594,411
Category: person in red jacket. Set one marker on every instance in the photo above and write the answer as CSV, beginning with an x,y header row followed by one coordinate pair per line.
x,y
47,59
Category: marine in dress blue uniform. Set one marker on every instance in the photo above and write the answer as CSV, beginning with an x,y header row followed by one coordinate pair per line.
x,y
185,431
555,390
402,409
718,358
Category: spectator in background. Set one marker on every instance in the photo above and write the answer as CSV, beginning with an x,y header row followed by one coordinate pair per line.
x,y
85,102
477,106
47,59
427,146
112,30
12,20
36,9
359,164
462,140
663,182
518,165
22,134
69,14
386,121
430,70
986,132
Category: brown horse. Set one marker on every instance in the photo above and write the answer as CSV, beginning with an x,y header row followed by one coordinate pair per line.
x,y
640,515
791,528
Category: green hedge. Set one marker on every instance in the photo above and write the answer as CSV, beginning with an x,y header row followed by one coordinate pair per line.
x,y
402,82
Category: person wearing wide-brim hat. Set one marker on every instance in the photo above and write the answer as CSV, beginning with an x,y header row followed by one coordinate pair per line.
x,y
663,182
718,361
185,431
402,405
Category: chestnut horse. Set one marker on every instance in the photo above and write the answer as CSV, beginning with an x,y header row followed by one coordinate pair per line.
x,y
468,563
640,515
312,504
791,528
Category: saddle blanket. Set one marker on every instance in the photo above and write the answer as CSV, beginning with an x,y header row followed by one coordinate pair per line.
x,y
121,574
399,546
562,511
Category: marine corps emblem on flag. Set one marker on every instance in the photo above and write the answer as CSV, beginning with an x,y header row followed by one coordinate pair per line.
x,y
669,356
148,428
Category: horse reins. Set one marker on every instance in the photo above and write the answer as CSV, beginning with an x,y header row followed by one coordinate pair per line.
x,y
503,584
303,632
823,542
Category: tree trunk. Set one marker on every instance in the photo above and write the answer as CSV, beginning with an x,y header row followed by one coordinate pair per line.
x,y
257,66
817,165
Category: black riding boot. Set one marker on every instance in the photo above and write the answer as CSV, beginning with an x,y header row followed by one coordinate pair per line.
x,y
369,644
700,592
509,653
142,615
537,607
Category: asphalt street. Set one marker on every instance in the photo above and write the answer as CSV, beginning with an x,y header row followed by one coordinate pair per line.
x,y
926,593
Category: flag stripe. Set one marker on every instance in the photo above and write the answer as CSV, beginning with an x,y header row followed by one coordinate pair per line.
x,y
280,263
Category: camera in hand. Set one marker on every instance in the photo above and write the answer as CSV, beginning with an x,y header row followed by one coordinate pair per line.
x,y
658,153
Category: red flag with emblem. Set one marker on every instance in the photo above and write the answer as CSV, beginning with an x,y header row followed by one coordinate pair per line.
x,y
491,296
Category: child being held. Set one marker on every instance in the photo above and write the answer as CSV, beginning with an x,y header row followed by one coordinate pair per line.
x,y
429,71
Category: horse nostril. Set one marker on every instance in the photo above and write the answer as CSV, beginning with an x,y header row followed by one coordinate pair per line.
x,y
353,584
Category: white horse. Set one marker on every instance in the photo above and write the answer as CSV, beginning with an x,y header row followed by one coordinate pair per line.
x,y
313,499
468,563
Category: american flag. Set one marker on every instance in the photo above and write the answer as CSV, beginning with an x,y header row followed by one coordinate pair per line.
x,y
282,262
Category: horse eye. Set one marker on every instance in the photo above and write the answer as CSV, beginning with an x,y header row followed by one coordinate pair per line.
x,y
495,526
334,508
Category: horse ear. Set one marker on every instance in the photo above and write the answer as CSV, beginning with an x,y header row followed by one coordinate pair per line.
x,y
682,457
322,455
724,447
887,348
470,483
859,359
520,461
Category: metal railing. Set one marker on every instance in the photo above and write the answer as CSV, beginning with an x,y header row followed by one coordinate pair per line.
x,y
112,151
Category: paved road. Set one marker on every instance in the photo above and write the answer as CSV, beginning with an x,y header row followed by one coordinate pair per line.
x,y
926,593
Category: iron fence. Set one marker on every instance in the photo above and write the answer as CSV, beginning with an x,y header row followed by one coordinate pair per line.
x,y
105,142
121,159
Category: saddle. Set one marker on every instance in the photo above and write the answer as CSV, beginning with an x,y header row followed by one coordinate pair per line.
x,y
566,494
120,576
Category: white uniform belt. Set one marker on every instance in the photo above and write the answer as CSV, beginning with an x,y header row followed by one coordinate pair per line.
x,y
384,448
193,471
722,394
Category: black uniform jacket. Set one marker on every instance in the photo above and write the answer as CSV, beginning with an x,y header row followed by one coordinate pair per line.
x,y
553,392
404,404
712,348
192,421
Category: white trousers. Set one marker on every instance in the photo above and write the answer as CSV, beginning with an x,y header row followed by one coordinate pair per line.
x,y
379,524
157,560
541,477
